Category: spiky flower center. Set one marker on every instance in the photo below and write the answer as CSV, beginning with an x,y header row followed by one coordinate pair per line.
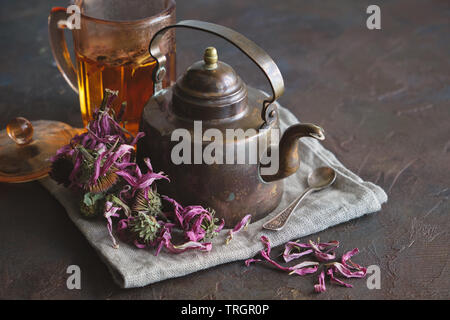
x,y
151,205
145,227
210,226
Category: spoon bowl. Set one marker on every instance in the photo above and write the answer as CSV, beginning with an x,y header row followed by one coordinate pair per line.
x,y
319,179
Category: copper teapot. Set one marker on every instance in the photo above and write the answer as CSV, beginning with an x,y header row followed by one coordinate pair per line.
x,y
210,91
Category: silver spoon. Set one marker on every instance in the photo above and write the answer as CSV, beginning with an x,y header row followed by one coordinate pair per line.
x,y
319,179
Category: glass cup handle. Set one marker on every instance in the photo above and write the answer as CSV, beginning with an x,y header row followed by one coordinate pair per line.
x,y
59,46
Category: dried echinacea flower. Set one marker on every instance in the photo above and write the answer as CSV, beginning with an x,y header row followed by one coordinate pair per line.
x,y
148,202
97,153
61,168
101,164
349,271
145,227
213,225
197,222
104,183
95,175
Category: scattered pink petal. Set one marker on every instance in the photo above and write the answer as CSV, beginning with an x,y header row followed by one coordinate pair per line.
x,y
251,260
241,225
302,268
332,278
346,258
291,246
190,245
320,287
328,246
346,272
299,269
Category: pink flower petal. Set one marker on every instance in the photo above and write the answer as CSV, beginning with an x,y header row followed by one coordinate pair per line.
x,y
220,226
178,210
191,245
251,260
301,268
241,225
346,258
139,245
328,246
332,278
111,211
134,177
320,287
346,272
291,246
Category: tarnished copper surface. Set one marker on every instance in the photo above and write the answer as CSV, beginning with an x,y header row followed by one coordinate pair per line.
x,y
211,91
248,47
233,190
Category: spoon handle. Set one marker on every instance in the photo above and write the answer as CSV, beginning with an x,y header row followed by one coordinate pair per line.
x,y
279,221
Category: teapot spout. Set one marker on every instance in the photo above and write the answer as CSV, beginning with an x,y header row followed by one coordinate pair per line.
x,y
289,160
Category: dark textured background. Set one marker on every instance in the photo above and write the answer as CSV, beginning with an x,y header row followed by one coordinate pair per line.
x,y
382,97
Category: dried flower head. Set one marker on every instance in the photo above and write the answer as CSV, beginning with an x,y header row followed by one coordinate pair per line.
x,y
61,168
148,202
101,164
212,226
197,222
145,227
104,183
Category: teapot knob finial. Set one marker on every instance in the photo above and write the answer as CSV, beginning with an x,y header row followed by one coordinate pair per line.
x,y
210,58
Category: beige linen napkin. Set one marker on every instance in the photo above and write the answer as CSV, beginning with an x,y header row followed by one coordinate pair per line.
x,y
350,197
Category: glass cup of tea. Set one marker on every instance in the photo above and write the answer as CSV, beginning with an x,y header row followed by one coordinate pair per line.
x,y
110,40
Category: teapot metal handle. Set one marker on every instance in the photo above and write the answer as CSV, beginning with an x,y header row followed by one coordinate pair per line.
x,y
248,47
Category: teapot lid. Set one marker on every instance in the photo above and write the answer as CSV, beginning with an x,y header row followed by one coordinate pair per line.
x,y
208,90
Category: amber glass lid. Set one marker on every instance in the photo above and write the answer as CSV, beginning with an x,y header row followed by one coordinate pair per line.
x,y
26,148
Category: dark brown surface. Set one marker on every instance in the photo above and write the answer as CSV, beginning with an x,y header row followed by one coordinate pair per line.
x,y
382,97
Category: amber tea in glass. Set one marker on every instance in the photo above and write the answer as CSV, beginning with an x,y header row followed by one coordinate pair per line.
x,y
111,51
132,79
